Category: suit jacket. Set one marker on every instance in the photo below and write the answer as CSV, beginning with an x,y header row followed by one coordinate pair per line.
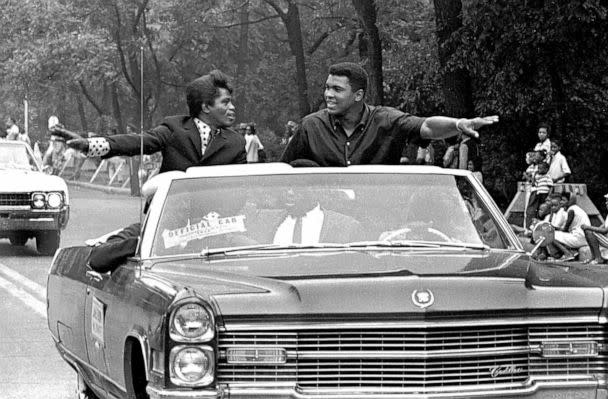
x,y
109,255
337,227
179,141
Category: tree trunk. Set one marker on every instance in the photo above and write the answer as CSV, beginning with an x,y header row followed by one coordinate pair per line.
x,y
456,82
294,33
116,109
241,62
366,10
81,111
291,20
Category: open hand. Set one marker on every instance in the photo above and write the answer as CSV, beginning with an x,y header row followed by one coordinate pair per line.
x,y
469,127
59,130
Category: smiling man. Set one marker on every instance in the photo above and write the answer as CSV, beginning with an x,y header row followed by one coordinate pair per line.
x,y
349,131
201,138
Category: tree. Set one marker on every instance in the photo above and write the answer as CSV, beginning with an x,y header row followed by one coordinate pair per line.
x,y
366,10
291,20
456,82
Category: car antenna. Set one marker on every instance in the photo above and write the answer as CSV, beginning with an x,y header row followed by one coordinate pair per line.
x,y
140,174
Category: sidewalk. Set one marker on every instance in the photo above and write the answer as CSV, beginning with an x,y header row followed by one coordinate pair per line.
x,y
101,181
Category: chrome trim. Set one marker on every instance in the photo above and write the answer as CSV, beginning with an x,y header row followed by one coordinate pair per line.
x,y
15,207
232,327
160,393
303,354
528,389
88,365
145,349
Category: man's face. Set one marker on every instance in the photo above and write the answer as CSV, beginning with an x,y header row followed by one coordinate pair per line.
x,y
543,210
542,134
222,111
339,95
297,201
555,205
554,148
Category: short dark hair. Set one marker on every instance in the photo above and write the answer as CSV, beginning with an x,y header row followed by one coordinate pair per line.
x,y
557,142
546,126
205,90
543,166
355,73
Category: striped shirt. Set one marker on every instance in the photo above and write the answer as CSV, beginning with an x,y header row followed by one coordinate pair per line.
x,y
542,184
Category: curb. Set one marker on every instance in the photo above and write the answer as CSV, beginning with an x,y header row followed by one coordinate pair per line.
x,y
107,189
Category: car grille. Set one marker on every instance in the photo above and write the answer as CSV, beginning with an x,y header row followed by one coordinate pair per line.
x,y
410,360
14,199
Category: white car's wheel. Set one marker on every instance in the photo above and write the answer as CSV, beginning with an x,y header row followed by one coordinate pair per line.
x,y
47,242
18,238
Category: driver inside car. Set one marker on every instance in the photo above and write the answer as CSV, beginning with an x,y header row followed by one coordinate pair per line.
x,y
300,218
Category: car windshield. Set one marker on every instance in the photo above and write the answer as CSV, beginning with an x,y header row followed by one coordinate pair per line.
x,y
352,210
14,156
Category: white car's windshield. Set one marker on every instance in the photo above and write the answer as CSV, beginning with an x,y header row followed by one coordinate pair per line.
x,y
13,156
201,214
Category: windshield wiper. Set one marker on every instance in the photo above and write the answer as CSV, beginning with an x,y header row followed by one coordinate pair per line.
x,y
393,244
263,247
358,244
415,244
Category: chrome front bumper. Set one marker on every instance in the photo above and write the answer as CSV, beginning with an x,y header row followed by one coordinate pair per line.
x,y
30,220
555,390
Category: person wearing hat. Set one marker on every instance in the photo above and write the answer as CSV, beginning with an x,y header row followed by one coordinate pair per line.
x,y
597,239
111,250
54,157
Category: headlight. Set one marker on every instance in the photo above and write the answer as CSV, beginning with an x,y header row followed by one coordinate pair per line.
x,y
191,322
38,201
54,200
191,365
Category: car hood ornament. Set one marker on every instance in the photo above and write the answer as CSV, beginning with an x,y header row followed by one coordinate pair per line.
x,y
423,298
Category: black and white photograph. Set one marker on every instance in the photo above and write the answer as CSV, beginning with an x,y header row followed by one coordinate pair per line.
x,y
303,199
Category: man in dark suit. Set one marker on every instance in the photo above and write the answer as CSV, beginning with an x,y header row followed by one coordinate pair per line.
x,y
303,220
201,138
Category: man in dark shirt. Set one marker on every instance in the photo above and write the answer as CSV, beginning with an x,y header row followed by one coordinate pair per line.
x,y
350,132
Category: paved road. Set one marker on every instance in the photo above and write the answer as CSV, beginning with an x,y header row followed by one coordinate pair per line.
x,y
30,366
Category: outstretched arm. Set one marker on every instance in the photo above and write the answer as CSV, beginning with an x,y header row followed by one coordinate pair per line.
x,y
442,127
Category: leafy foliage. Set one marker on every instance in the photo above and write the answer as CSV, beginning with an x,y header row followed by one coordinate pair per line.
x,y
530,61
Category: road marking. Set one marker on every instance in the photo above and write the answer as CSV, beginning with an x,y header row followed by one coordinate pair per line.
x,y
36,288
37,305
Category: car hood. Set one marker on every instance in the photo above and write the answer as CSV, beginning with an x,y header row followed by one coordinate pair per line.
x,y
26,180
372,282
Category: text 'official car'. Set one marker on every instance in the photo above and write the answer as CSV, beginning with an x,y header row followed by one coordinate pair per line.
x,y
360,282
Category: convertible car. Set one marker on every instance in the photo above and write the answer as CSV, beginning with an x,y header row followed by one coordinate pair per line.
x,y
360,282
32,203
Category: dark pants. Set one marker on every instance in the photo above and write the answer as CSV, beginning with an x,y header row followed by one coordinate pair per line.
x,y
533,203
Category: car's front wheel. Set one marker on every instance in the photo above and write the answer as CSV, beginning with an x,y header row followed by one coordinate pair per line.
x,y
47,242
19,238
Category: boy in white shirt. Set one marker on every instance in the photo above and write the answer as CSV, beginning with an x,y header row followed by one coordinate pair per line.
x,y
559,169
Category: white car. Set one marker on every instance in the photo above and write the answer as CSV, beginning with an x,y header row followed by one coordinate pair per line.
x,y
32,203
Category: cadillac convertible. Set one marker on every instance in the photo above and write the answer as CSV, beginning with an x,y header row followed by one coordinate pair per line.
x,y
360,282
32,203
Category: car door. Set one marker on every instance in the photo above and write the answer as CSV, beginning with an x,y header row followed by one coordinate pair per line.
x,y
95,325
66,292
